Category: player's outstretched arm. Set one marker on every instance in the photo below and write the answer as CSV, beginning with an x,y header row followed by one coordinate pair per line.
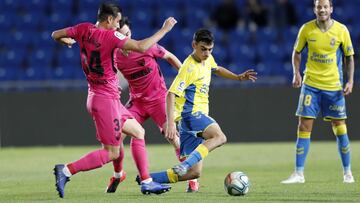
x,y
247,75
145,44
61,37
349,67
296,61
170,130
172,60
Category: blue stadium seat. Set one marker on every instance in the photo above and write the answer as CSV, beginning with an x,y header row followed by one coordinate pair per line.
x,y
266,35
182,49
241,52
140,32
142,18
62,72
194,19
270,52
262,69
26,25
163,13
13,58
220,55
68,57
40,58
78,72
19,39
165,3
7,73
166,68
30,21
6,19
239,36
33,73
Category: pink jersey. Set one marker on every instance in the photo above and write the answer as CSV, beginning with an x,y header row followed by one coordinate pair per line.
x,y
141,70
97,48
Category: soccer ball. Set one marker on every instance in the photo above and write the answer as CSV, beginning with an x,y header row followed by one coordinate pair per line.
x,y
236,183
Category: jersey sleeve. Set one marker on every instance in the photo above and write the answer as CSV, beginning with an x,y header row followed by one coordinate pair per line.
x,y
157,51
74,31
346,43
184,78
117,39
300,40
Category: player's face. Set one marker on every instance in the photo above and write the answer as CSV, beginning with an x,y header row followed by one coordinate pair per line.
x,y
323,10
114,22
125,30
202,50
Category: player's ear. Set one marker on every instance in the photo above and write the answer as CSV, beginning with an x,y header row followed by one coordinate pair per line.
x,y
331,9
193,44
109,19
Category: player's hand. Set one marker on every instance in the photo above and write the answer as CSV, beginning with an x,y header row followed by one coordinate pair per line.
x,y
348,88
170,131
169,24
67,41
296,82
248,75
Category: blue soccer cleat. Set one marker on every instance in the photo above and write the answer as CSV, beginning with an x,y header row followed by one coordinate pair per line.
x,y
154,187
61,179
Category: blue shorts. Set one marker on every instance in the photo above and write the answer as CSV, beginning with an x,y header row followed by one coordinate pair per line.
x,y
331,104
190,130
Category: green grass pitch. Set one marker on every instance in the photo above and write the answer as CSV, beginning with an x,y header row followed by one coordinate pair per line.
x,y
26,175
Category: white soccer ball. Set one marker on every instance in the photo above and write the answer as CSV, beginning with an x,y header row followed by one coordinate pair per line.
x,y
236,183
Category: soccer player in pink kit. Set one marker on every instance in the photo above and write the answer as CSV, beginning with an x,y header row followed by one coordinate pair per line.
x,y
97,44
147,94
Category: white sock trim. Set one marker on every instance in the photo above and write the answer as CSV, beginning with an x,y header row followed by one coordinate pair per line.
x,y
118,175
149,180
66,171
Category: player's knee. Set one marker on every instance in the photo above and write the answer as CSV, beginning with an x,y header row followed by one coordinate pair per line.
x,y
195,174
335,123
303,127
139,133
221,138
114,154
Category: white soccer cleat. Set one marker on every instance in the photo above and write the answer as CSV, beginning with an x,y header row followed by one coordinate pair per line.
x,y
348,178
294,178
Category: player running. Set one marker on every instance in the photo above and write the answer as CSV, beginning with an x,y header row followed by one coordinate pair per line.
x,y
147,95
97,43
187,104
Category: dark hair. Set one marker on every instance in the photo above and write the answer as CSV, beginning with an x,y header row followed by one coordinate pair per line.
x,y
106,10
203,35
124,21
330,1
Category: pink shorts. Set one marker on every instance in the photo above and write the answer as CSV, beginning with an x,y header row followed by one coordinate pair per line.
x,y
109,116
144,110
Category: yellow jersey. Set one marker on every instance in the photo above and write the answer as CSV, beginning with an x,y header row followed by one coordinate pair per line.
x,y
191,87
325,51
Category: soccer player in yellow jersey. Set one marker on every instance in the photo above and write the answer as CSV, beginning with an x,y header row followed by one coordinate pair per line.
x,y
188,105
322,90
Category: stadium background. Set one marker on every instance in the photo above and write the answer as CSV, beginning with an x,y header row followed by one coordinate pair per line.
x,y
43,89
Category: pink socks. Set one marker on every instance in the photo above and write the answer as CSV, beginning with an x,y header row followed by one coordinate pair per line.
x,y
92,160
139,153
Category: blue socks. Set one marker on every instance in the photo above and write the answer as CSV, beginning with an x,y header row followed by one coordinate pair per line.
x,y
302,149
